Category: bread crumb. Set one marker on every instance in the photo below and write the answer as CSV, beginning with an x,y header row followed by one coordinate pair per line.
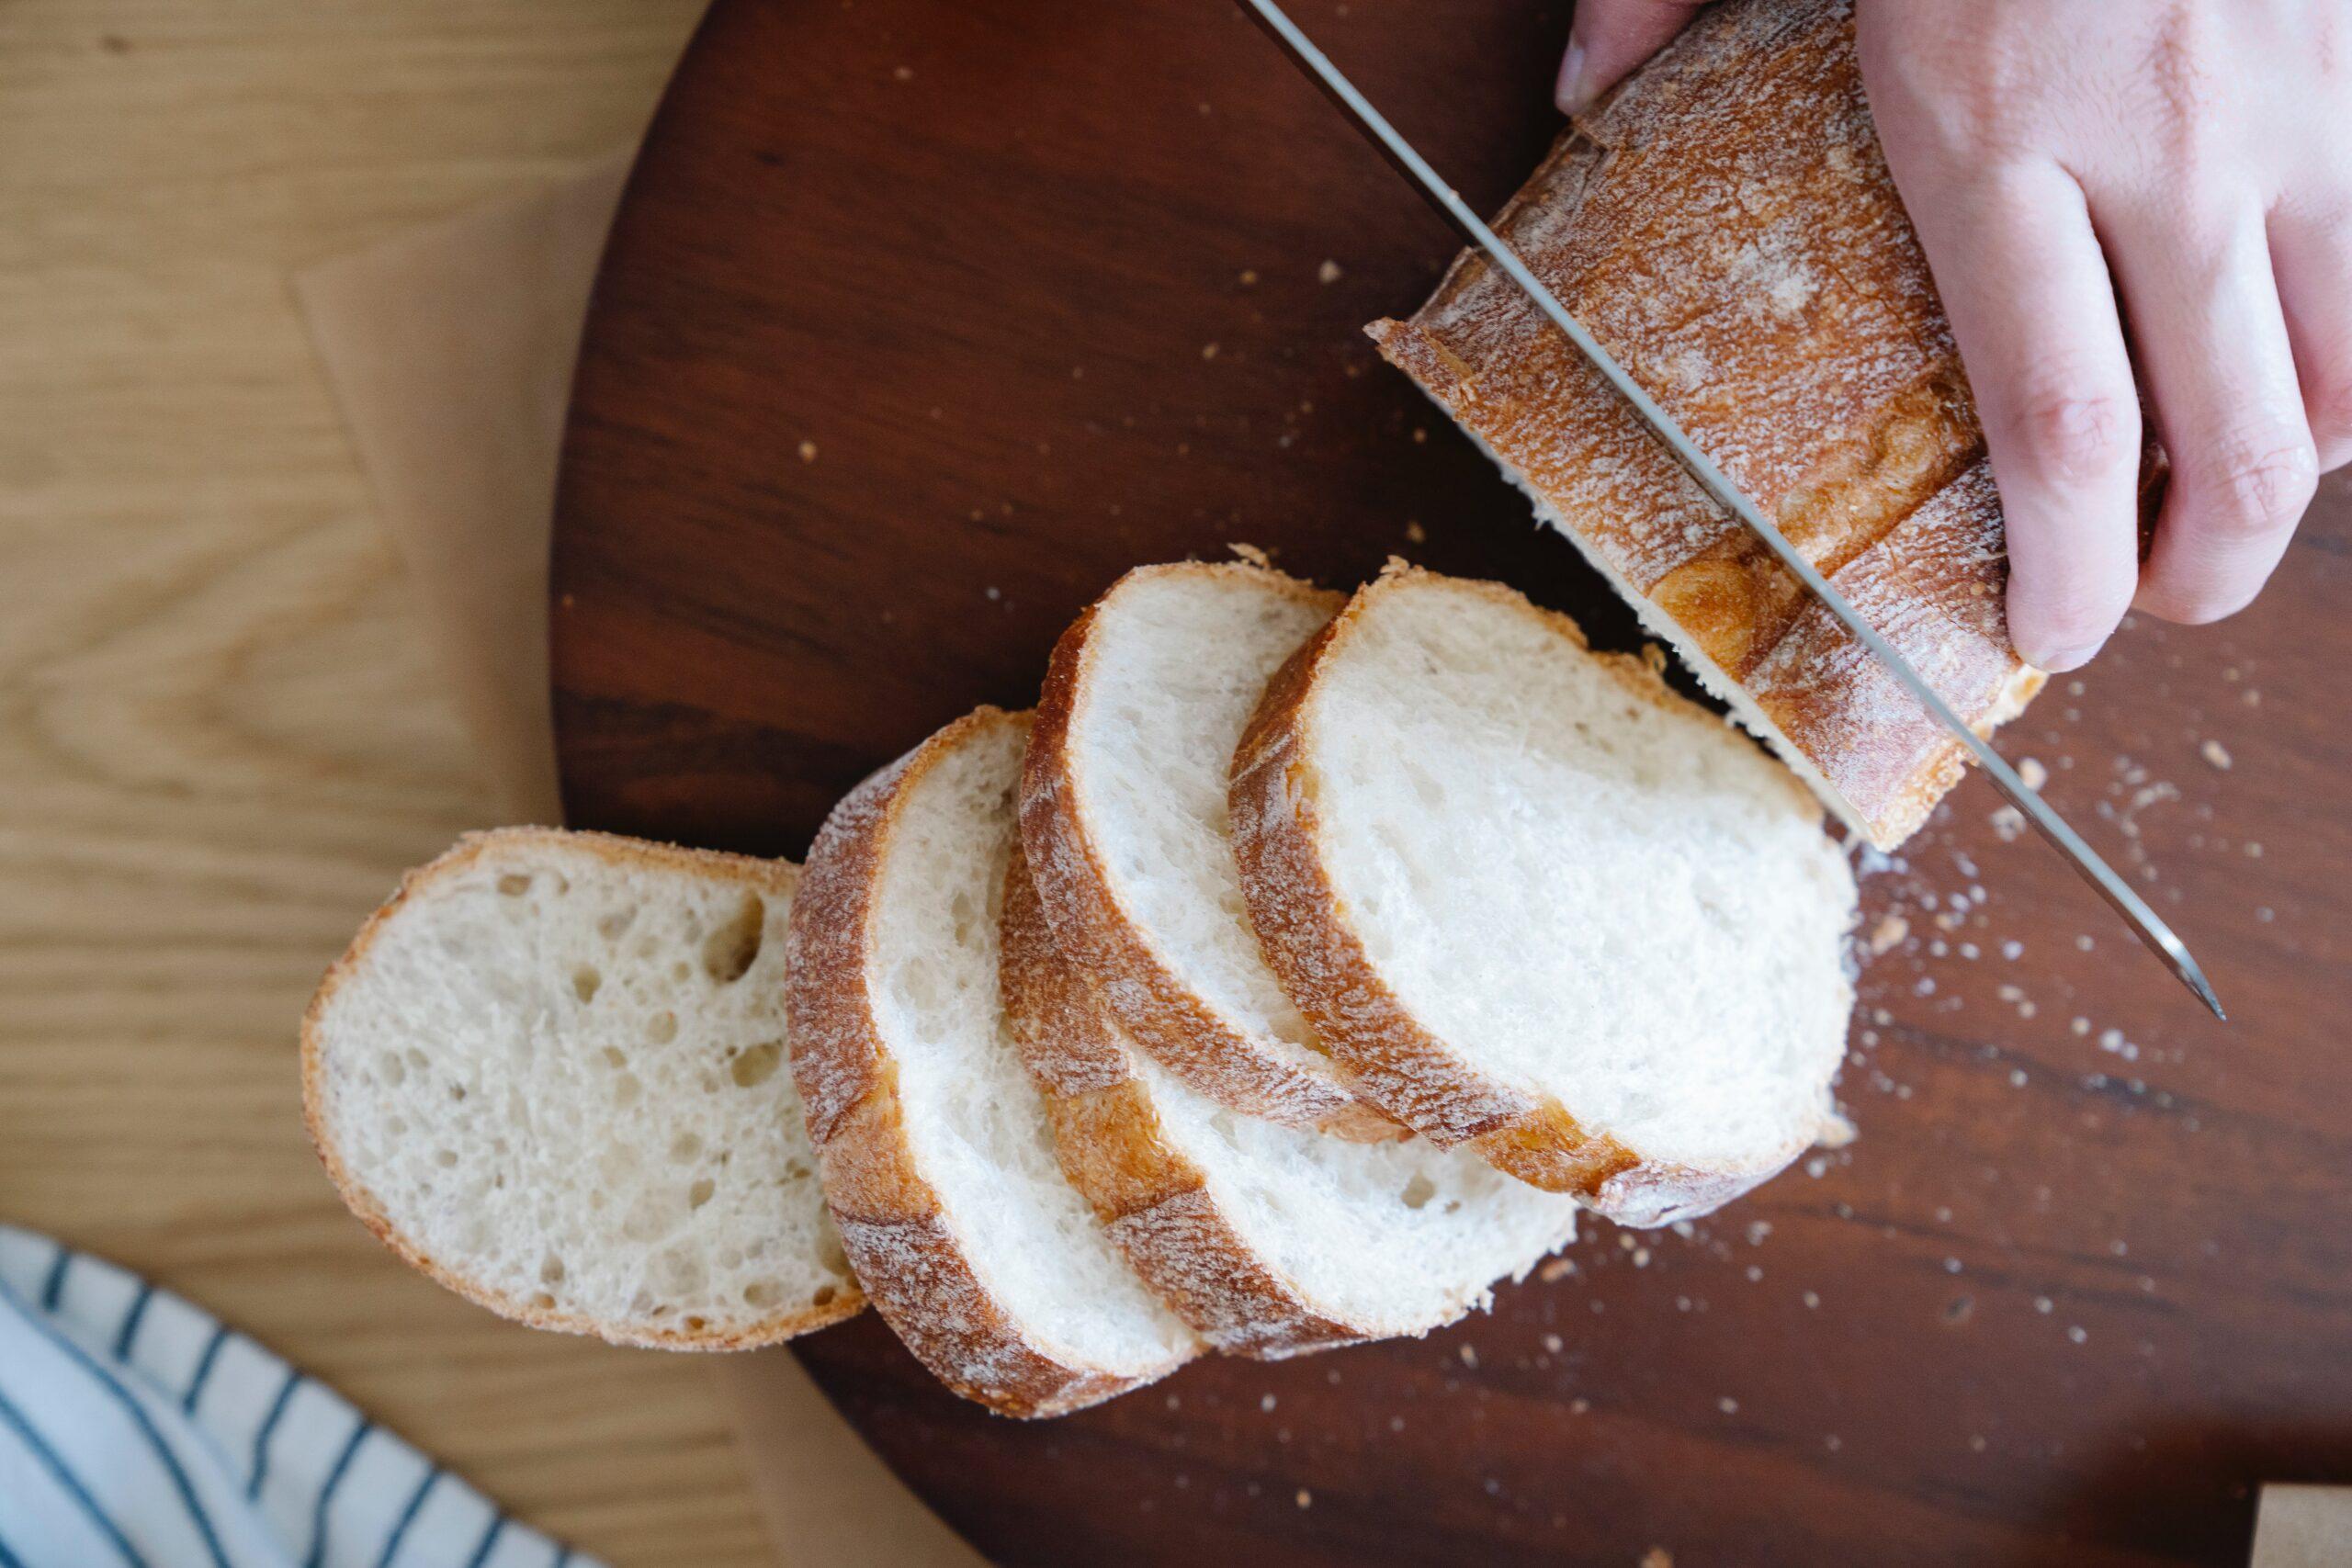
x,y
2034,775
1557,1269
2043,1304
1249,278
1414,532
1252,554
2009,823
2081,1026
1470,1357
1812,1301
1890,929
2077,1333
1551,1342
807,451
1728,1405
2213,752
904,74
1330,272
1657,1557
1266,1402
1305,1499
1208,351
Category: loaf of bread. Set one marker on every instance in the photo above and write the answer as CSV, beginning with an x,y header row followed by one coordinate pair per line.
x,y
1724,224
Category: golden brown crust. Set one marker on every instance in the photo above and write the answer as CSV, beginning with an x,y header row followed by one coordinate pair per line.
x,y
1154,1200
1162,1014
1303,925
892,1222
777,877
1768,291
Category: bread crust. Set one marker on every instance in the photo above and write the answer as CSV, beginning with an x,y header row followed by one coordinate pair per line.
x,y
1767,288
780,878
1303,925
892,1221
1160,1013
1153,1199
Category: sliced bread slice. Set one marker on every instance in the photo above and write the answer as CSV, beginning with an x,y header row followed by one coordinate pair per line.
x,y
1123,814
1542,905
1269,1240
550,1073
936,1149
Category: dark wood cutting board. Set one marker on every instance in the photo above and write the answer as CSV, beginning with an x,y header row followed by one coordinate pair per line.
x,y
924,319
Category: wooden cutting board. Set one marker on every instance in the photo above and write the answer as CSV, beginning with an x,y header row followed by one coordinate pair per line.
x,y
925,319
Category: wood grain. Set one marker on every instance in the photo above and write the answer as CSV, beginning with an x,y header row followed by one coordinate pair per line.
x,y
2083,1281
222,733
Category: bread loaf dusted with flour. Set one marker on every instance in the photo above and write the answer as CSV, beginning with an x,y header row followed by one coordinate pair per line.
x,y
1724,224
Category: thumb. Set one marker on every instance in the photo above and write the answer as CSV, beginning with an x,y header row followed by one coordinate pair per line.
x,y
1609,38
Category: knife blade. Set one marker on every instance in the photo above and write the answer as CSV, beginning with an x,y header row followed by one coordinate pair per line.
x,y
2144,922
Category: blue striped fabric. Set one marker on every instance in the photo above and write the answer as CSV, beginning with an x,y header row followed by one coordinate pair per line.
x,y
136,1431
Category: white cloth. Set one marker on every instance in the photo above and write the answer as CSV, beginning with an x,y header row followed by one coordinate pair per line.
x,y
137,1429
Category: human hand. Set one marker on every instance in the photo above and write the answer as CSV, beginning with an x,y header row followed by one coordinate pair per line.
x,y
2073,165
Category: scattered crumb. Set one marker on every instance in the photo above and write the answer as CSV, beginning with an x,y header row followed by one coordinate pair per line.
x,y
2077,1333
904,74
1266,1402
2080,1026
1249,278
1890,929
2213,752
1641,1258
1470,1357
2034,775
1812,1301
1657,1557
2044,1305
1728,1405
807,451
2084,944
1558,1268
1415,534
2016,1077
1305,1499
1330,272
1208,351
1420,434
2009,823
1551,1342
1579,1406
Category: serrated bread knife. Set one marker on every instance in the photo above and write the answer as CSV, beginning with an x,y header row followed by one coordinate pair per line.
x,y
2143,920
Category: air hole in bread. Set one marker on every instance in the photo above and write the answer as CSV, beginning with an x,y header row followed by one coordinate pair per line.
x,y
685,1146
416,1059
445,1159
543,1301
613,1057
756,1065
1419,1190
762,1293
626,1090
615,925
391,1071
824,1296
662,1028
457,1091
586,981
728,952
699,1193
551,1270
696,1323
513,885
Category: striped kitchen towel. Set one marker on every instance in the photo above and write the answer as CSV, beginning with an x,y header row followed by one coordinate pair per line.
x,y
135,1430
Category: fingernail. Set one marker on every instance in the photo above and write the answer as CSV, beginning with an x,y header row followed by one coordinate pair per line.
x,y
1570,92
2058,661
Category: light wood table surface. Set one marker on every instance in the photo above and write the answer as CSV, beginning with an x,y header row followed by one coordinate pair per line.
x,y
222,734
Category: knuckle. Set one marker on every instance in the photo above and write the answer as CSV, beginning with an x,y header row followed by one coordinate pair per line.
x,y
2258,490
2077,434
